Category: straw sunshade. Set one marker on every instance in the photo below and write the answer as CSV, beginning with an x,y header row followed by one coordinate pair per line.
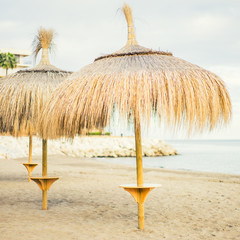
x,y
177,91
24,94
138,82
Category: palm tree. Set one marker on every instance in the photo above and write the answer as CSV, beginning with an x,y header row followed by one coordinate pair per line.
x,y
8,60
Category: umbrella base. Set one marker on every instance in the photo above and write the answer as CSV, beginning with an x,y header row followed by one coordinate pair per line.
x,y
44,183
30,167
140,194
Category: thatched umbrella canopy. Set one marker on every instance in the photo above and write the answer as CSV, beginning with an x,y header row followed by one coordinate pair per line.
x,y
24,94
138,82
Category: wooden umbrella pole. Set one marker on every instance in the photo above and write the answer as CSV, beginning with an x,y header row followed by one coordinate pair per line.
x,y
139,164
30,158
30,150
44,182
138,145
44,157
44,173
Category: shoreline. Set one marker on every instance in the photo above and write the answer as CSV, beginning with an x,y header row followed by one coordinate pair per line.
x,y
100,160
97,160
122,161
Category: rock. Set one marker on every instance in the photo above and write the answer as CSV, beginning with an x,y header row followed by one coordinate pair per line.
x,y
86,146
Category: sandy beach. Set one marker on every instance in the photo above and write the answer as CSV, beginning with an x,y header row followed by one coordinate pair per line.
x,y
86,203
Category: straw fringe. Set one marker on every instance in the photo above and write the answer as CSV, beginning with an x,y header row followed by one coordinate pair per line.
x,y
180,93
23,95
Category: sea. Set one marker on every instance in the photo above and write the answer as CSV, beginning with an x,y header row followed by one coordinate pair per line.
x,y
216,156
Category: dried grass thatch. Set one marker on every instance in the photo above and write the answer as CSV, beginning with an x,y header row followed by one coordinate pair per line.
x,y
24,94
135,77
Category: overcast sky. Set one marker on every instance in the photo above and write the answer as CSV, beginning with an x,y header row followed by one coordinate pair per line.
x,y
204,32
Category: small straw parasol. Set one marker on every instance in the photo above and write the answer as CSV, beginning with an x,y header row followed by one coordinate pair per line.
x,y
24,94
138,82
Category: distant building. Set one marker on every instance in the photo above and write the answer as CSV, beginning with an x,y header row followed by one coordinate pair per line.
x,y
22,60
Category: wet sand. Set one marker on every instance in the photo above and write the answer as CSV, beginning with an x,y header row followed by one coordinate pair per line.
x,y
86,203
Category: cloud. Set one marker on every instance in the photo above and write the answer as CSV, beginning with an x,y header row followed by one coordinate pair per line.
x,y
230,74
211,24
5,25
202,32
